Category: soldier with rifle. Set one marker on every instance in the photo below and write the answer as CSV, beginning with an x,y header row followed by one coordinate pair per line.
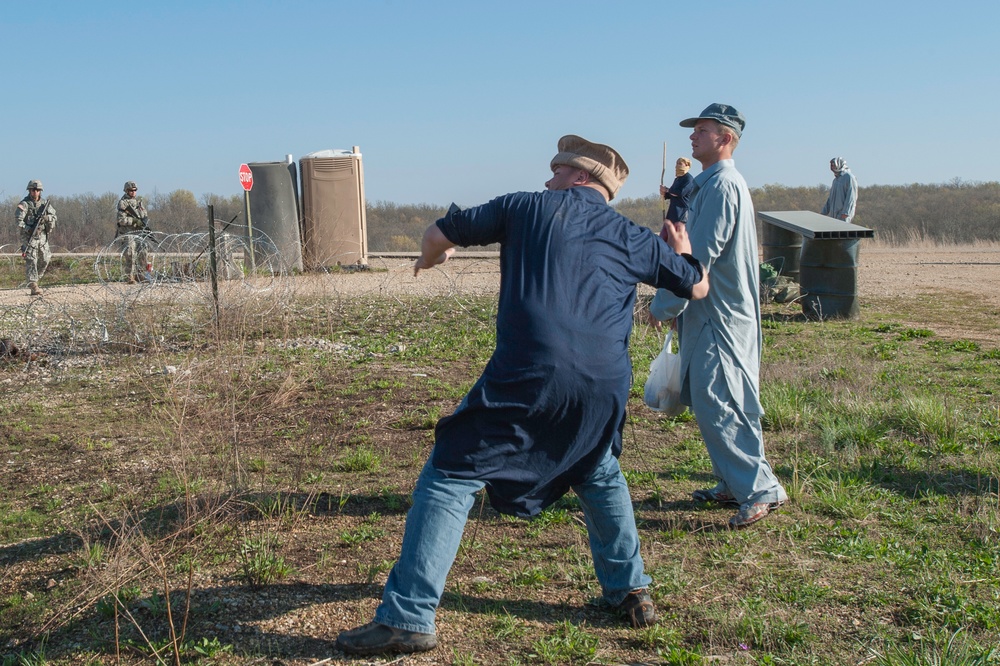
x,y
133,223
35,221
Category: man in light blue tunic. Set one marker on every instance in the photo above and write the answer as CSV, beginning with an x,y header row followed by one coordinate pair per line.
x,y
843,197
720,335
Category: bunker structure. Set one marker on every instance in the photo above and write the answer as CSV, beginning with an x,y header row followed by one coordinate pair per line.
x,y
821,254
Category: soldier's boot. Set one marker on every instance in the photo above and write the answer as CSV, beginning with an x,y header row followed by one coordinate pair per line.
x,y
35,291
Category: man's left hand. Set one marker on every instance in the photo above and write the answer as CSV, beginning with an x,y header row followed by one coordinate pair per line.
x,y
677,236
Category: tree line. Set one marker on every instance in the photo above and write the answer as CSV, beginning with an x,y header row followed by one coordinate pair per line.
x,y
956,212
951,213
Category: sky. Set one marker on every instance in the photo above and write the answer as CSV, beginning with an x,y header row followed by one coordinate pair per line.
x,y
465,100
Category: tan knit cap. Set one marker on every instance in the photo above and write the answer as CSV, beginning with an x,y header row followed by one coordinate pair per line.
x,y
600,161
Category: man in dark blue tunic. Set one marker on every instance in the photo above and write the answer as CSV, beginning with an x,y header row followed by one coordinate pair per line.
x,y
547,413
679,193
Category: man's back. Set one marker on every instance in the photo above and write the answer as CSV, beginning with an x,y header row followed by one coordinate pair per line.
x,y
551,401
569,266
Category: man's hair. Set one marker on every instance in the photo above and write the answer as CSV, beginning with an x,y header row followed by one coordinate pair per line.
x,y
731,132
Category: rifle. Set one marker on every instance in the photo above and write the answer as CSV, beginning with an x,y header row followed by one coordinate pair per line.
x,y
144,230
145,220
39,214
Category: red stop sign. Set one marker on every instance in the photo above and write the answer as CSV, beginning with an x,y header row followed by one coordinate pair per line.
x,y
246,177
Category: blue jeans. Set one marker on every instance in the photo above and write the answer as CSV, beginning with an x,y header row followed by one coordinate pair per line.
x,y
436,521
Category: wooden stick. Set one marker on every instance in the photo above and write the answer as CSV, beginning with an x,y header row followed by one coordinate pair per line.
x,y
663,172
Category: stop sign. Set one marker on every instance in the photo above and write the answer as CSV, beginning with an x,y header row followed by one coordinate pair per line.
x,y
246,177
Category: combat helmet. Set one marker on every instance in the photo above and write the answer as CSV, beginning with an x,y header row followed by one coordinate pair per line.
x,y
130,185
34,185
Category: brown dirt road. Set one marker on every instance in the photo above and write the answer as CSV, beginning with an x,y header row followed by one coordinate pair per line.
x,y
967,274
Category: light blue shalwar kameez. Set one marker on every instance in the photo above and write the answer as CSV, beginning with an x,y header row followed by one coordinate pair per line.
x,y
720,336
843,198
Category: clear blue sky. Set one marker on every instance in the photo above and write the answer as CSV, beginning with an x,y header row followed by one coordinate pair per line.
x,y
462,101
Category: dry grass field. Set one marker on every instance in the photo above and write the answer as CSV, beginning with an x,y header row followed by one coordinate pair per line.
x,y
179,488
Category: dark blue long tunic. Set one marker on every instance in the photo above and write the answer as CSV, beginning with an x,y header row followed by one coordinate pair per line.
x,y
552,398
680,193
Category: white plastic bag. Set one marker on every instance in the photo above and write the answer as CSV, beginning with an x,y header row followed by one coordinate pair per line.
x,y
663,386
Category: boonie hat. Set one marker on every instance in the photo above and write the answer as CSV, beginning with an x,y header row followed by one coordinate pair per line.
x,y
34,185
600,161
722,113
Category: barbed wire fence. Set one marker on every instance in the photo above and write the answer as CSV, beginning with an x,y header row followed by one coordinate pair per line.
x,y
173,294
80,325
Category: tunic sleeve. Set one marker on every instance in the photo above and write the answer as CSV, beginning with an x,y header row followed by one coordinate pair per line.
x,y
480,225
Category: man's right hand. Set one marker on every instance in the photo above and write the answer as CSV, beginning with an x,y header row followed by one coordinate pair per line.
x,y
422,264
657,324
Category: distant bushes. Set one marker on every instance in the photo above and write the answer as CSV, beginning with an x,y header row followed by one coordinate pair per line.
x,y
398,228
950,213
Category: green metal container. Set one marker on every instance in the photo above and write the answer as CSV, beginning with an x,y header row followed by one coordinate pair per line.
x,y
828,277
781,249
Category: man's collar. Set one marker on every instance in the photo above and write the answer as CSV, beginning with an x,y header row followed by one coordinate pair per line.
x,y
592,192
702,177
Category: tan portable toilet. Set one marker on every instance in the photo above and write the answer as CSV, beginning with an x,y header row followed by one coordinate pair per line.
x,y
334,223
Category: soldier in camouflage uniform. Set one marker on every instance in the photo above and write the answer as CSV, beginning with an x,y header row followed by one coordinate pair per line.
x,y
30,213
133,223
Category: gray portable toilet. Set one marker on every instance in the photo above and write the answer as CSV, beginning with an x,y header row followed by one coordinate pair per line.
x,y
274,209
334,220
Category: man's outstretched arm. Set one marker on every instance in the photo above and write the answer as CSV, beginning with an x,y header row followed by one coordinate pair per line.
x,y
434,249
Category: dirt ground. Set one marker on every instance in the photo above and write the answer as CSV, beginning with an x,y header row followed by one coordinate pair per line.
x,y
303,618
882,272
907,271
969,274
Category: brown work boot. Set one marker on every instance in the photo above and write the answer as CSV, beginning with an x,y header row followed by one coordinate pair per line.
x,y
130,279
35,291
638,608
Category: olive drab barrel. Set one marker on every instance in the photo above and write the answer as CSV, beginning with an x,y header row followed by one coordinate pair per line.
x,y
829,278
274,209
781,250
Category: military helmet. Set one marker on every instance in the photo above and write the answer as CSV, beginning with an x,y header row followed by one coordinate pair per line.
x,y
34,185
130,185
